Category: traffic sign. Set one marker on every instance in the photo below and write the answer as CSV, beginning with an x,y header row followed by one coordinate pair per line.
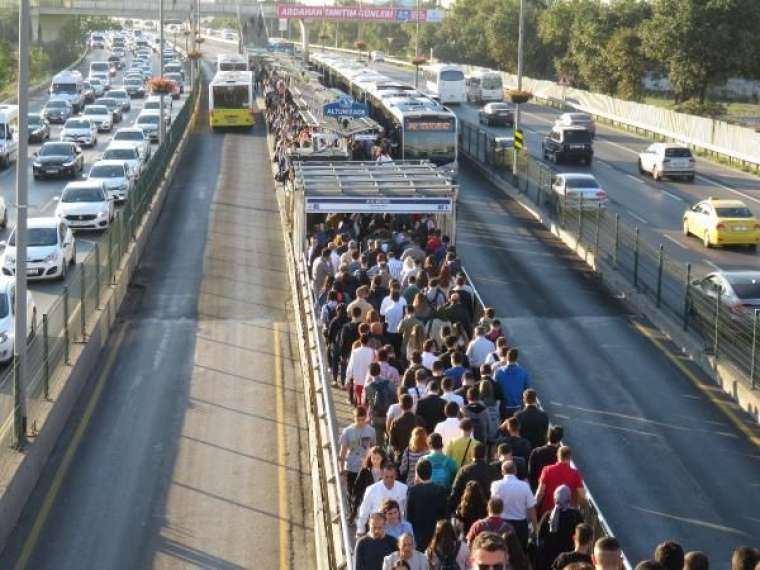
x,y
346,107
518,141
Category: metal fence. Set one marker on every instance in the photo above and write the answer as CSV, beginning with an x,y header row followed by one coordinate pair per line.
x,y
53,333
729,333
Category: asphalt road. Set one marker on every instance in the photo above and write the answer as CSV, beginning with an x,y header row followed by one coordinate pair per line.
x,y
660,458
188,450
656,208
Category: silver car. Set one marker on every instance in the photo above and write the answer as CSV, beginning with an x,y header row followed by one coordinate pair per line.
x,y
577,120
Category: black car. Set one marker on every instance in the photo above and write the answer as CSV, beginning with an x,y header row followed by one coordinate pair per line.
x,y
568,144
57,110
39,128
58,159
497,114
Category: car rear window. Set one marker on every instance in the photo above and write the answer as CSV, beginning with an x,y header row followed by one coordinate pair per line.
x,y
577,136
581,183
678,152
740,212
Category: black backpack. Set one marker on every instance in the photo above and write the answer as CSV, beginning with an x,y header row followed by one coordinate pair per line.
x,y
382,398
450,562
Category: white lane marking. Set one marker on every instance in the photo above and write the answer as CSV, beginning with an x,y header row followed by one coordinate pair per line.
x,y
674,240
47,205
635,215
673,196
711,264
635,178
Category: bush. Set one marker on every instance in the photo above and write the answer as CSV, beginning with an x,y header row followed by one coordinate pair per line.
x,y
39,63
160,85
518,96
710,109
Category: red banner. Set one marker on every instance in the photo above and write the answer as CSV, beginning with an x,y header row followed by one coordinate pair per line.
x,y
356,13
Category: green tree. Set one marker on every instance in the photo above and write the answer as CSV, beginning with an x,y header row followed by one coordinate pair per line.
x,y
39,63
7,64
626,62
703,41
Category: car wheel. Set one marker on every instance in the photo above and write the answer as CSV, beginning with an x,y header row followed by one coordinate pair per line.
x,y
752,247
64,271
641,167
4,221
706,240
686,227
656,174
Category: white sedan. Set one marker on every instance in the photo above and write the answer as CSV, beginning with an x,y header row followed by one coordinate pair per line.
x,y
85,205
115,175
667,159
50,250
8,317
136,136
81,131
577,190
100,115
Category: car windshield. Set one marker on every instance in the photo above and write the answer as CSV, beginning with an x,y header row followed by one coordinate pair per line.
x,y
499,107
747,288
577,136
152,105
580,118
34,120
56,105
37,237
737,212
118,94
678,152
107,171
581,183
133,82
96,111
56,149
120,154
108,102
83,195
491,82
67,88
147,120
3,306
76,124
174,76
129,136
95,82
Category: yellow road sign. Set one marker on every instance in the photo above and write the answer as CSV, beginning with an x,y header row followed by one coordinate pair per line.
x,y
518,139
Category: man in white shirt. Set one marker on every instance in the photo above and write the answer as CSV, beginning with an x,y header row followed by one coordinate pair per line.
x,y
419,390
448,392
449,428
518,500
358,366
392,308
395,266
429,357
386,488
479,348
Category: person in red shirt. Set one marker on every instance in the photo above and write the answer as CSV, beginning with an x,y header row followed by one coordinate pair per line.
x,y
433,242
561,473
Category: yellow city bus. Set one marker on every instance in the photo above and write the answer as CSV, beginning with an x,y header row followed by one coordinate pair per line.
x,y
230,100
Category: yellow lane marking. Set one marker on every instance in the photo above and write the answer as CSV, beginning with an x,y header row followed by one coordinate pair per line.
x,y
707,391
42,515
282,484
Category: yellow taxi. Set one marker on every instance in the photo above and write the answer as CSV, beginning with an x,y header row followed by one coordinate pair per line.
x,y
722,222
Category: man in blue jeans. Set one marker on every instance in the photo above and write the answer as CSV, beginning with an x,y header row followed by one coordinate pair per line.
x,y
513,380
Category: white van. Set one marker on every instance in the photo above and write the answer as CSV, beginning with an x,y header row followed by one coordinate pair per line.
x,y
99,67
8,134
69,85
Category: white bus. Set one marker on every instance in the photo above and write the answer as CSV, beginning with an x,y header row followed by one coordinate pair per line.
x,y
232,62
445,82
484,85
230,100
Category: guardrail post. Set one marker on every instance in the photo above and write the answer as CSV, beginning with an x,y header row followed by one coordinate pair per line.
x,y
97,275
596,236
82,295
636,259
564,209
617,241
46,350
110,255
753,365
66,325
540,183
716,344
580,223
660,258
687,297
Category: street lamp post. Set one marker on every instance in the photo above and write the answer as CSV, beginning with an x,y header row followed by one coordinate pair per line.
x,y
22,180
520,41
162,121
417,33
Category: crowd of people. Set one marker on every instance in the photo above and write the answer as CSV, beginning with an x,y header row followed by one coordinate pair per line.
x,y
449,463
448,441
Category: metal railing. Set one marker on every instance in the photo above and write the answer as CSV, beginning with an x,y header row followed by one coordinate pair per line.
x,y
729,333
64,324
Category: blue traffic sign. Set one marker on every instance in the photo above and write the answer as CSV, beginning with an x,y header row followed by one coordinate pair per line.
x,y
346,107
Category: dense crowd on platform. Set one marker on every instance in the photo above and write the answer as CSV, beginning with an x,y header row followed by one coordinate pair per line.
x,y
450,463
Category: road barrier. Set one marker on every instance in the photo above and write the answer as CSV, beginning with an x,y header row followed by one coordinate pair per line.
x,y
65,322
729,334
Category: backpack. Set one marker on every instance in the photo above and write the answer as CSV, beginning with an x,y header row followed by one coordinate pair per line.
x,y
382,398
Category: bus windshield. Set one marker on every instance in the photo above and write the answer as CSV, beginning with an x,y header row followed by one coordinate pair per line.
x,y
452,75
231,97
432,138
64,88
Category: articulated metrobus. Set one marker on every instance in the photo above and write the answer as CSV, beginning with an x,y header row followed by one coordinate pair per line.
x,y
231,62
484,85
445,82
230,100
